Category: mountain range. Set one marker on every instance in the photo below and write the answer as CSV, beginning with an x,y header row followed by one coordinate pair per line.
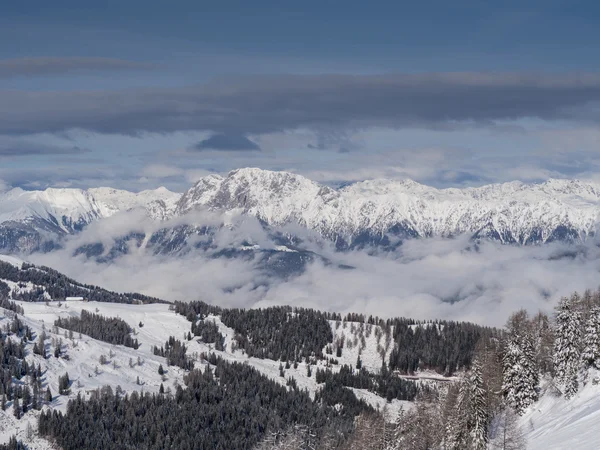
x,y
379,212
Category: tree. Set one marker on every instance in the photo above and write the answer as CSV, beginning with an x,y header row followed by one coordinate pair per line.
x,y
519,382
457,416
17,408
590,355
26,398
29,431
63,384
48,396
505,433
161,389
567,345
161,371
478,408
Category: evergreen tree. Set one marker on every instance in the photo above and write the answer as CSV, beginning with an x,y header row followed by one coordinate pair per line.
x,y
26,398
590,356
520,379
478,408
567,346
17,408
457,424
161,371
48,396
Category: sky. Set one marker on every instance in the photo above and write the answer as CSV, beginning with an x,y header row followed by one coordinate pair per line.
x,y
138,95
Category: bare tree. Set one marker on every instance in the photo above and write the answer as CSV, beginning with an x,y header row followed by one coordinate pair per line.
x,y
505,433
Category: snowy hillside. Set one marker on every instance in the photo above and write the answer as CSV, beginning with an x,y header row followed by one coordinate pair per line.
x,y
125,366
554,423
374,211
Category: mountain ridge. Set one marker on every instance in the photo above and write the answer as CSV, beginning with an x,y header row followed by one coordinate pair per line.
x,y
371,211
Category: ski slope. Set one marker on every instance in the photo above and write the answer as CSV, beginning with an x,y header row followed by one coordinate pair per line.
x,y
554,423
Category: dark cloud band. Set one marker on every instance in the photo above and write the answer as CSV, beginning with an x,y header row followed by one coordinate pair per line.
x,y
256,105
227,142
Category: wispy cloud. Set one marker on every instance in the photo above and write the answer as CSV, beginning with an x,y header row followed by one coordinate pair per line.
x,y
19,147
39,66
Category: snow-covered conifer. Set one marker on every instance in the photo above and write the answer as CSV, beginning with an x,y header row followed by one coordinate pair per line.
x,y
590,355
567,346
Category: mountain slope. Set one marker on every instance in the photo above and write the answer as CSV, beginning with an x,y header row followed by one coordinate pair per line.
x,y
28,219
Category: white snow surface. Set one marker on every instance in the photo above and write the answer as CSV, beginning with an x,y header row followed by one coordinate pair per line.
x,y
513,210
554,423
78,206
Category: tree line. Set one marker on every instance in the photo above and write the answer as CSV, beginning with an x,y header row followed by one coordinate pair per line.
x,y
226,406
59,286
107,329
279,333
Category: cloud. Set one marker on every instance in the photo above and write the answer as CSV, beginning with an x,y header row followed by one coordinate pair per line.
x,y
17,147
161,171
232,142
425,279
39,66
265,104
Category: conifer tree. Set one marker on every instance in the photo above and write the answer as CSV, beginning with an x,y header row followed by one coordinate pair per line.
x,y
590,356
478,408
567,353
520,377
17,408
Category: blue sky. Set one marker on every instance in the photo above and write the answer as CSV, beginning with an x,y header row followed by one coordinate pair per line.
x,y
142,94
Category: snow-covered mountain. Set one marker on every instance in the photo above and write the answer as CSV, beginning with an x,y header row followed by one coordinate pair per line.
x,y
28,219
374,211
511,212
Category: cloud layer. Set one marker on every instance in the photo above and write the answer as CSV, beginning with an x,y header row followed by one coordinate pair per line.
x,y
424,279
265,104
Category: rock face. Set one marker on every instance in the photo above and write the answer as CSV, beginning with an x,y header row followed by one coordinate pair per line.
x,y
374,211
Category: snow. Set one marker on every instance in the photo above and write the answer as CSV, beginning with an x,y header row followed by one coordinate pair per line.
x,y
390,409
375,206
67,207
555,423
369,355
512,210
